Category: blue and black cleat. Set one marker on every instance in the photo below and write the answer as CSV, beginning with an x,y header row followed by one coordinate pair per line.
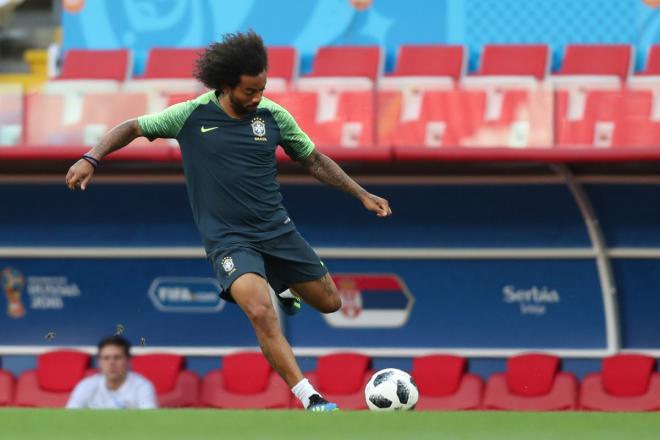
x,y
319,404
289,303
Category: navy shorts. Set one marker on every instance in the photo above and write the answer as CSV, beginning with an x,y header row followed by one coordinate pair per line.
x,y
282,261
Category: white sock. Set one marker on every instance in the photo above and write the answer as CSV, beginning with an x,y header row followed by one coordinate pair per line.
x,y
286,294
303,391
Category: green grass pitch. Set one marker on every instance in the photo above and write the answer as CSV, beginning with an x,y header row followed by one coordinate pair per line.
x,y
46,424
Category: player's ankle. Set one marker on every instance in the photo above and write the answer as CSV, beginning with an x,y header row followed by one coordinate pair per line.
x,y
303,390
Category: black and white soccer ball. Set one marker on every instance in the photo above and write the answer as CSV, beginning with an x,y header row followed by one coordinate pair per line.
x,y
391,390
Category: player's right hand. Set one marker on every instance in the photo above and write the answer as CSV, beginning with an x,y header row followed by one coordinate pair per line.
x,y
79,175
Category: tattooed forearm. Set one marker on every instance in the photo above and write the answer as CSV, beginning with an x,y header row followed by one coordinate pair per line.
x,y
328,172
117,138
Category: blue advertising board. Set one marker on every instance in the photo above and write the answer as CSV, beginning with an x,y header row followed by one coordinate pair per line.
x,y
404,304
168,302
469,304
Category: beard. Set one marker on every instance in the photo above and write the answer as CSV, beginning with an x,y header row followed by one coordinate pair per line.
x,y
239,108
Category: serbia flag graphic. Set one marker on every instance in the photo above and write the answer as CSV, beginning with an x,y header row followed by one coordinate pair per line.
x,y
371,301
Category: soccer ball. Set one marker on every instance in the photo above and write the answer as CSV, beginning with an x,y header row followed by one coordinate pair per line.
x,y
391,390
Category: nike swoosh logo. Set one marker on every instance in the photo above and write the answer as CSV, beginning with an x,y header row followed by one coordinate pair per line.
x,y
204,130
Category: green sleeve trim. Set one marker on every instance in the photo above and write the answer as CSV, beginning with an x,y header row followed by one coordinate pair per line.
x,y
168,123
296,143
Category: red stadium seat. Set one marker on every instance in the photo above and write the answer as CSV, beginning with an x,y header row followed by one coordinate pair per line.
x,y
446,118
168,71
341,379
353,123
44,121
431,60
97,64
444,385
419,69
614,60
610,119
282,67
7,384
171,63
525,120
50,385
246,380
349,61
175,386
640,125
525,60
344,78
346,119
628,382
101,112
175,98
53,119
302,106
532,382
518,112
638,122
518,106
599,107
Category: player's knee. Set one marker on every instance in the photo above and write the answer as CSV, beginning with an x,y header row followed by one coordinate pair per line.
x,y
262,317
332,305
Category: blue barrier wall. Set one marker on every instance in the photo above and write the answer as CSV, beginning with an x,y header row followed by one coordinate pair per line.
x,y
307,25
440,302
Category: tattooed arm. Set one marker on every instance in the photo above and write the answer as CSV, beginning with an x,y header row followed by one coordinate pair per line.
x,y
327,171
82,171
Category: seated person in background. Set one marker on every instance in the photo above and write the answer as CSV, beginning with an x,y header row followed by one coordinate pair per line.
x,y
114,387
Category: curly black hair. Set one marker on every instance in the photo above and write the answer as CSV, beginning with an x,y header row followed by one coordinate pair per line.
x,y
222,64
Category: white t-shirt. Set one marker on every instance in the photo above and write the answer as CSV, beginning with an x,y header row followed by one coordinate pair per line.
x,y
92,392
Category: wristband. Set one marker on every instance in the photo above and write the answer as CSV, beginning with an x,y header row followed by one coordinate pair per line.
x,y
92,160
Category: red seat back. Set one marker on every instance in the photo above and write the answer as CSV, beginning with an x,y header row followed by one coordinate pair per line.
x,y
111,109
246,373
301,105
438,375
431,60
161,369
175,98
627,374
282,62
531,374
527,59
171,63
96,64
342,373
601,59
348,61
60,371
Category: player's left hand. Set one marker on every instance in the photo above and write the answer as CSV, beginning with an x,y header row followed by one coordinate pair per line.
x,y
377,204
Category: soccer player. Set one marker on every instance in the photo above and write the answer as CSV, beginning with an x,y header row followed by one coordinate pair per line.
x,y
114,387
228,138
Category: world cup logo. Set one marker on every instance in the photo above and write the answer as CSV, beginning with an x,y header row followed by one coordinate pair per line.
x,y
13,283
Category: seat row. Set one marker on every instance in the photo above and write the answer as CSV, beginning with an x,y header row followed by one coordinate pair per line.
x,y
517,118
534,382
448,61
